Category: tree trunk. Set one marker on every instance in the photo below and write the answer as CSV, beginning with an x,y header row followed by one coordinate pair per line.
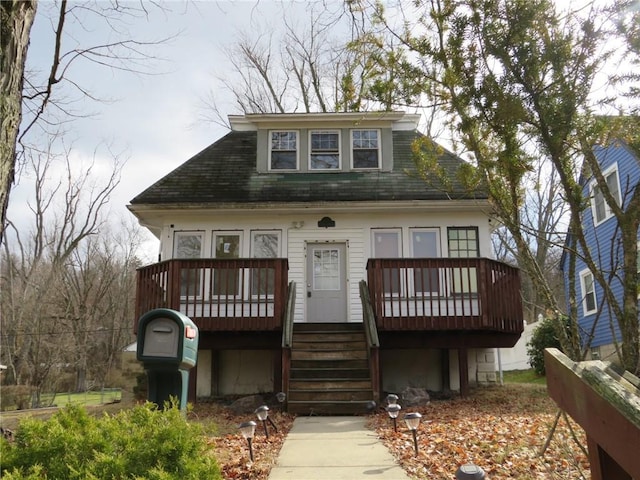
x,y
16,17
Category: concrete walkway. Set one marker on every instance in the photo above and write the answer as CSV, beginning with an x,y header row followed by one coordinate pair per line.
x,y
336,448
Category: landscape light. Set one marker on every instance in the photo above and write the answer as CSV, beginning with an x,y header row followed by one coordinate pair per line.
x,y
413,420
392,399
470,471
263,415
393,411
247,429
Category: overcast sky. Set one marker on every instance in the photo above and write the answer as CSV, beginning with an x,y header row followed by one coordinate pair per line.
x,y
152,119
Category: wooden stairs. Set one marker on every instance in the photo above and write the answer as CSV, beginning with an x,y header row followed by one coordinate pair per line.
x,y
329,370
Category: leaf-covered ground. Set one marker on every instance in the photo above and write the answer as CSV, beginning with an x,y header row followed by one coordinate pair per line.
x,y
501,429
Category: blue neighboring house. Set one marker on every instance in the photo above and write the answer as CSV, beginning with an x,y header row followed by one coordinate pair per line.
x,y
621,168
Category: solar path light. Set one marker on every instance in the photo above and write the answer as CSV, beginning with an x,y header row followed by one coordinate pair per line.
x,y
413,420
393,411
247,429
263,415
392,399
470,471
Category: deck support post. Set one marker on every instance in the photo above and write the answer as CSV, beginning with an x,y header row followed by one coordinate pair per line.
x,y
463,365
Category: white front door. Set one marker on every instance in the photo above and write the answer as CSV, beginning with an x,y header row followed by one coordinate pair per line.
x,y
326,291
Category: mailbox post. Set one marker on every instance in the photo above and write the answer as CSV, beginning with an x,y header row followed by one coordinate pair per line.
x,y
168,348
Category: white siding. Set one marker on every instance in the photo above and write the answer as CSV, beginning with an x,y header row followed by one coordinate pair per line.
x,y
353,228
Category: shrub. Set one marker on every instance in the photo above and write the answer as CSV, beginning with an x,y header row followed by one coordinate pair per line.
x,y
140,443
544,336
16,397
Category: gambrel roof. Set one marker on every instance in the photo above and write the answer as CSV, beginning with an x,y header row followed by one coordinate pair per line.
x,y
226,173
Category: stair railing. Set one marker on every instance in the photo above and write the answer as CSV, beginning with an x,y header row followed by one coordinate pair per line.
x,y
287,336
373,342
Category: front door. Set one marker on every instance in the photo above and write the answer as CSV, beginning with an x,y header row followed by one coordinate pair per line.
x,y
326,282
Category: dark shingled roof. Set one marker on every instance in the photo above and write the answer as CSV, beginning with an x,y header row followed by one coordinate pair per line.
x,y
225,172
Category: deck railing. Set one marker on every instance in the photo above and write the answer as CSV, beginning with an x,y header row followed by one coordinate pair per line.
x,y
229,294
445,294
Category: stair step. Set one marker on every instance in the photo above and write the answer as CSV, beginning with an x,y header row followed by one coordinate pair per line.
x,y
298,354
329,345
312,363
324,337
328,327
327,373
329,384
329,395
328,407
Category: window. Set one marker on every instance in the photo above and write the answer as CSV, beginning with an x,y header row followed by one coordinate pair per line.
x,y
226,245
424,244
365,146
387,244
324,150
595,353
264,244
599,207
463,243
188,245
284,150
587,287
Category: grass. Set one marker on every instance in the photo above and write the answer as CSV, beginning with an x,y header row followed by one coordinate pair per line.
x,y
524,376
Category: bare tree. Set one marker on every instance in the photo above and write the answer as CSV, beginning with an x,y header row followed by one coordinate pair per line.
x,y
309,67
16,18
36,266
45,99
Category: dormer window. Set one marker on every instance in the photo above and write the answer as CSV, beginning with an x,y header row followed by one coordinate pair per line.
x,y
324,152
365,145
283,154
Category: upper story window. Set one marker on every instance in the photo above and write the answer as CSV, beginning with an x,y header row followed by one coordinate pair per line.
x,y
587,286
283,154
599,207
324,150
365,145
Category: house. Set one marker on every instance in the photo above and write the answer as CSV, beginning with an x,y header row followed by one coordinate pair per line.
x,y
597,324
315,261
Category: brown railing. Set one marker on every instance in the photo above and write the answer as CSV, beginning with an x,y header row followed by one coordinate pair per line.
x,y
230,294
373,342
445,294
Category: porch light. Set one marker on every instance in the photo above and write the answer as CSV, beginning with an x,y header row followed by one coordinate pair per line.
x,y
263,415
392,399
247,429
413,420
470,471
393,411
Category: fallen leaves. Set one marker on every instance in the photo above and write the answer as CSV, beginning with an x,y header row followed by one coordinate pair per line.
x,y
231,450
501,429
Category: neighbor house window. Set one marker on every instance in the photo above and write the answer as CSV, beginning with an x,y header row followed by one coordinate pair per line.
x,y
227,246
188,245
462,242
324,151
283,154
588,291
599,207
365,146
264,244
